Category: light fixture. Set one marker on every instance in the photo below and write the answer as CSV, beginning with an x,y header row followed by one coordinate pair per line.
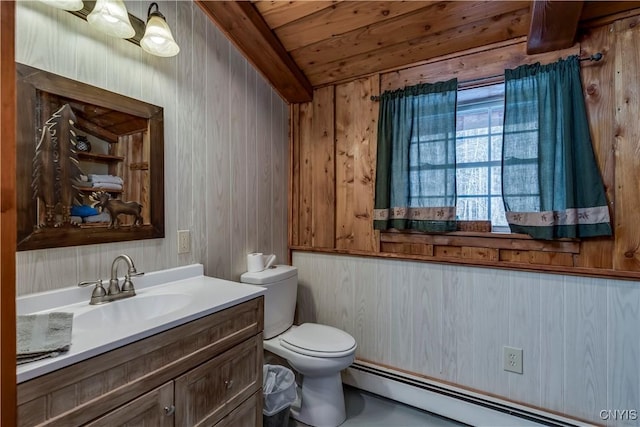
x,y
65,4
157,39
111,17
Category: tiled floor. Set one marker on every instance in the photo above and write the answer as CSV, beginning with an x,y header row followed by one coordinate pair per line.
x,y
368,410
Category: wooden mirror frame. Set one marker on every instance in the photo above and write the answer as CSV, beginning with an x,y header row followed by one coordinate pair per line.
x,y
31,82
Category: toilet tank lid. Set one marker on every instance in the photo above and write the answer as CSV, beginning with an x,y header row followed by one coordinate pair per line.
x,y
270,275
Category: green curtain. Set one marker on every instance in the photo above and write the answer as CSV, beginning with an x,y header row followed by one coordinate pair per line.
x,y
551,185
416,160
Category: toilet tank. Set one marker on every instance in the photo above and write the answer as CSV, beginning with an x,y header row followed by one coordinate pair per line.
x,y
281,282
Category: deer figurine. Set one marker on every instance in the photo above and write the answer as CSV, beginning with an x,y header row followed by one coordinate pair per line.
x,y
117,207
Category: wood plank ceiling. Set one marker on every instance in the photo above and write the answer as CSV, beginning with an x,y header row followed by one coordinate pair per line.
x,y
299,45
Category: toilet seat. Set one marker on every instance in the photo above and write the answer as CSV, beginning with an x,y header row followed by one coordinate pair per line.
x,y
311,339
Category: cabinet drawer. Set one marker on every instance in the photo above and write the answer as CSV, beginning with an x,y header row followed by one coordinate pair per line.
x,y
205,394
147,410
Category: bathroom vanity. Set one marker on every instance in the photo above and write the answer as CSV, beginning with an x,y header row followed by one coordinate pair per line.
x,y
204,366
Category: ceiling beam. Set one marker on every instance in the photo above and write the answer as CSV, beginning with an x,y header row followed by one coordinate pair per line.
x,y
553,25
244,26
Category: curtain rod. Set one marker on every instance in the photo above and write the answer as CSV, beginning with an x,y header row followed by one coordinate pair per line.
x,y
595,57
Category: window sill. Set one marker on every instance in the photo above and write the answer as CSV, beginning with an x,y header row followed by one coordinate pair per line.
x,y
490,240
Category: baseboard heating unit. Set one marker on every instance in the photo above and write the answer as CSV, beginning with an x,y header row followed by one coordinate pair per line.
x,y
459,404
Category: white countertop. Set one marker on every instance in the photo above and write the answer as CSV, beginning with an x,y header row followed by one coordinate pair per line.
x,y
189,294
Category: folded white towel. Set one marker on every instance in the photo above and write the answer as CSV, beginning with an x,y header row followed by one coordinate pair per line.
x,y
106,186
42,335
112,179
101,217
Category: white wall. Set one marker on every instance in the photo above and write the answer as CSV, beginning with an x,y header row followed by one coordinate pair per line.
x,y
226,136
580,335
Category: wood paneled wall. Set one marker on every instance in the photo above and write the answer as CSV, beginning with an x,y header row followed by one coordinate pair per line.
x,y
225,142
626,78
334,152
333,164
356,132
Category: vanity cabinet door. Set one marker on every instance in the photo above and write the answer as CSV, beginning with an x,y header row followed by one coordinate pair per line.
x,y
207,393
147,410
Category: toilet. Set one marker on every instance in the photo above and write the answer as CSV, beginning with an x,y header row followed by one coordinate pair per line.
x,y
318,352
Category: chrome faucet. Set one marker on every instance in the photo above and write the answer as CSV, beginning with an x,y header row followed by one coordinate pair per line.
x,y
127,285
100,295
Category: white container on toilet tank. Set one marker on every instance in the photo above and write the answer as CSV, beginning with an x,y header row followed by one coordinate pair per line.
x,y
257,261
280,300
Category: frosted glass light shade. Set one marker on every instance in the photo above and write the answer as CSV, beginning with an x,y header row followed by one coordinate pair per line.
x,y
157,39
65,4
111,17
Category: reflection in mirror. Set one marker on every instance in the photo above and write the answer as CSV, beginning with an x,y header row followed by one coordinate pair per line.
x,y
90,164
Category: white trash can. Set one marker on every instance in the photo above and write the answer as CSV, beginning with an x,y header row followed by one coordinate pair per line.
x,y
279,392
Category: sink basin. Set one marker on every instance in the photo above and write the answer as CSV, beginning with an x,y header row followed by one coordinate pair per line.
x,y
140,308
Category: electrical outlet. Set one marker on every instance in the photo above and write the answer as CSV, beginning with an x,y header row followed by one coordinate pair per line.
x,y
184,242
513,359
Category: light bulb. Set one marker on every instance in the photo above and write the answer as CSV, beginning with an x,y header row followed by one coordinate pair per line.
x,y
157,39
111,17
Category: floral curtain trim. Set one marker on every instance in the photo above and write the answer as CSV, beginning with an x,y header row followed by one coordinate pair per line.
x,y
447,213
576,216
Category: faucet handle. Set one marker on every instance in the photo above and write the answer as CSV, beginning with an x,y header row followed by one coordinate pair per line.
x,y
127,285
99,293
90,282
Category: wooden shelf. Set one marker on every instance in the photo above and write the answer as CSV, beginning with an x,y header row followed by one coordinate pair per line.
x,y
92,189
103,158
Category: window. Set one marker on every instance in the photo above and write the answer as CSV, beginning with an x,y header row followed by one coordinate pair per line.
x,y
479,119
441,169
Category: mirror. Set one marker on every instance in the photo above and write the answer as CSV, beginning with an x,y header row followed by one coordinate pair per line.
x,y
89,164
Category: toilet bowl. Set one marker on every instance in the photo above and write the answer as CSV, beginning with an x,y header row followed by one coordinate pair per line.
x,y
318,352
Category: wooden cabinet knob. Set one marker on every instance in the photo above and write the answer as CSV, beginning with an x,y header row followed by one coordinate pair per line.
x,y
169,410
228,383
